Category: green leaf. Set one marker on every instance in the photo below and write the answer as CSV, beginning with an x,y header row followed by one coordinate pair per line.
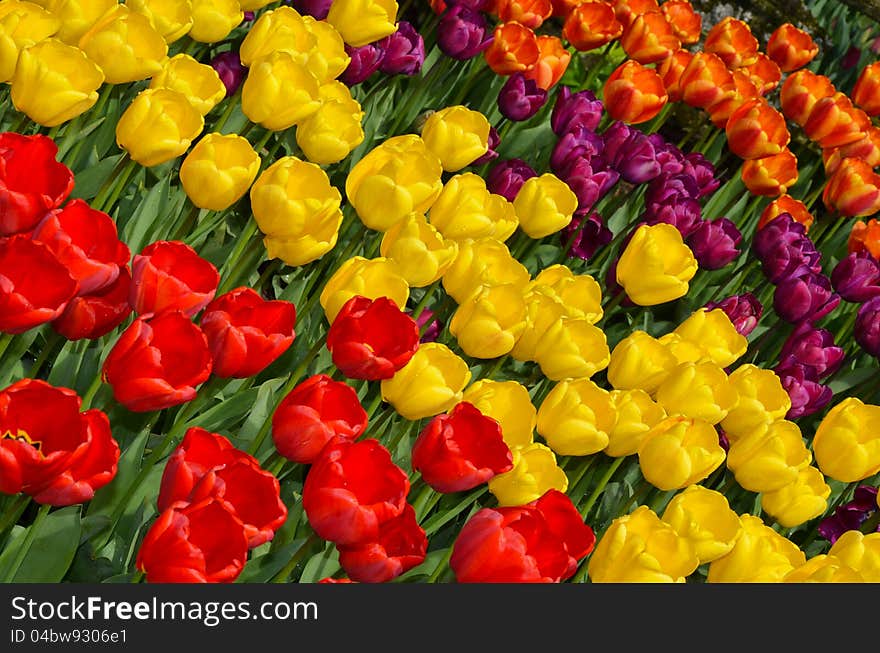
x,y
261,410
263,568
106,498
145,219
90,180
52,549
321,565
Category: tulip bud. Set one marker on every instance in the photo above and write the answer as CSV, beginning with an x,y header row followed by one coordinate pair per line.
x,y
429,384
158,126
219,170
686,23
641,548
733,41
649,38
762,400
679,451
229,69
369,278
333,131
457,135
279,92
171,18
421,253
865,237
534,472
867,88
513,48
835,122
404,51
769,457
363,21
802,385
705,81
771,175
743,311
281,29
461,33
799,501
465,209
760,555
520,98
509,403
572,348
572,110
590,25
639,361
856,277
634,93
199,82
704,518
482,262
791,48
544,205
507,177
853,189
714,243
714,333
756,130
859,552
847,444
799,93
656,265
213,20
490,321
576,417
808,296
22,24
700,390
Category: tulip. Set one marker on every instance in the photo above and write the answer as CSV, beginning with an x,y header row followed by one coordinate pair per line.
x,y
630,153
850,515
419,250
760,555
671,69
784,250
581,293
681,213
429,384
704,518
318,9
763,73
572,348
456,135
534,473
865,91
370,278
590,25
576,418
363,21
805,297
219,170
158,126
332,132
507,177
699,390
482,262
279,92
281,29
173,19
580,144
791,48
400,545
713,332
845,444
50,450
801,91
771,176
169,275
786,204
96,314
853,189
544,309
508,403
157,362
639,361
213,20
77,16
756,130
553,60
351,490
656,265
520,98
823,569
743,311
867,149
544,205
514,48
531,13
799,501
768,458
835,122
404,51
585,236
466,210
705,81
762,401
636,414
363,62
541,541
814,348
687,24
856,277
714,243
394,179
808,396
679,451
315,412
230,70
462,33
649,38
627,10
641,548
298,209
488,323
22,24
860,552
865,237
572,110
732,40
199,82
634,93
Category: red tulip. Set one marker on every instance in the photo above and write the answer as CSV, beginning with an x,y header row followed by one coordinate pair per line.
x,y
312,414
200,542
401,545
157,362
49,449
32,181
85,241
540,542
460,450
34,286
351,490
372,338
206,465
246,333
97,314
169,275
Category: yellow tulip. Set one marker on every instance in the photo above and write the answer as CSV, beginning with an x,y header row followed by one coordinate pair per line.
x,y
509,403
219,170
534,472
769,458
656,265
158,126
213,20
281,29
77,16
704,518
327,59
371,278
253,5
679,451
456,134
421,252
847,441
700,390
544,205
762,400
714,333
639,362
572,348
760,555
859,552
22,24
363,21
576,418
330,133
637,413
484,262
488,323
683,351
278,92
823,568
199,82
465,209
543,310
580,293
125,45
172,18
799,501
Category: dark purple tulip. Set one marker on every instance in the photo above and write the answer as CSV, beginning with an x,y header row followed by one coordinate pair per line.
x,y
714,243
629,151
229,68
683,214
579,143
432,332
662,190
590,181
743,310
404,51
723,440
248,17
703,172
318,9
813,348
520,98
492,153
572,110
670,158
856,278
508,176
867,327
851,515
807,395
784,250
463,32
587,235
365,60
808,297
782,227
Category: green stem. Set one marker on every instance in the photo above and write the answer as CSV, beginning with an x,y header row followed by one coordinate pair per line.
x,y
25,546
119,177
299,554
188,222
425,300
601,487
227,112
92,390
442,566
235,257
13,512
52,340
5,341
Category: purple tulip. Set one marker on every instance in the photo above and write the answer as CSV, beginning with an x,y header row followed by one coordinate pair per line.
x,y
714,243
318,9
579,143
432,332
743,310
572,110
229,68
813,348
248,17
629,151
508,176
723,440
492,153
702,171
784,250
851,515
768,237
856,278
520,98
662,190
590,181
808,297
683,214
365,60
867,327
463,33
474,5
670,158
404,51
807,395
587,235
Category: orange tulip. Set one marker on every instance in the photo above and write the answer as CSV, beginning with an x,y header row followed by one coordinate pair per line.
x,y
835,122
670,70
513,49
764,73
853,190
591,25
634,93
866,92
649,38
866,149
745,85
771,175
800,91
562,8
706,81
552,62
531,13
720,112
733,41
786,204
791,48
627,10
756,130
865,237
686,23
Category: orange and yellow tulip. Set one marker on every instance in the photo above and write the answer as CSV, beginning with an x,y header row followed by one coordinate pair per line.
x,y
791,48
634,93
756,130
